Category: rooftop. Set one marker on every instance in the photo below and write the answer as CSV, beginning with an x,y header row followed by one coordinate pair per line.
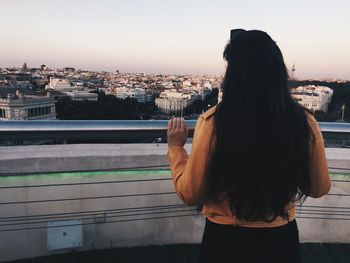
x,y
117,201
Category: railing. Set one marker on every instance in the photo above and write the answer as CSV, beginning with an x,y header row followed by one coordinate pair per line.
x,y
118,131
87,130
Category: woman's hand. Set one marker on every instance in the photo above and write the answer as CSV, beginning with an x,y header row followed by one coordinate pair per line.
x,y
177,132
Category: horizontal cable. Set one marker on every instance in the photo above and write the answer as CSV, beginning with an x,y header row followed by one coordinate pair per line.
x,y
115,221
339,168
107,182
105,217
150,213
83,198
71,214
86,183
161,212
322,218
142,219
104,197
323,213
335,194
341,181
110,196
131,168
116,211
117,169
330,207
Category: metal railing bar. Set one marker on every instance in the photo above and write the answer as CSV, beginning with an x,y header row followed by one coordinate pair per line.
x,y
98,125
117,130
121,125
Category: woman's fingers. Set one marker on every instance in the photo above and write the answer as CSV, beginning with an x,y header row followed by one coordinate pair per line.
x,y
170,125
182,123
177,125
177,132
174,124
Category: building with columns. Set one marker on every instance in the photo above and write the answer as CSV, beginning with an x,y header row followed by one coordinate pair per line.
x,y
315,98
27,107
172,101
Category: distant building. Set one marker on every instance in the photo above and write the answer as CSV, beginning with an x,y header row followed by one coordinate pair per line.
x,y
69,69
24,68
313,97
141,95
293,70
172,101
27,107
207,85
18,84
59,84
82,96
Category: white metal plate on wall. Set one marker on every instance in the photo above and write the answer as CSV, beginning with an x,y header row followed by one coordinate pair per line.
x,y
64,234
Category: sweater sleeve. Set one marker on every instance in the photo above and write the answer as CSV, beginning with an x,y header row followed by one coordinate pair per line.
x,y
188,172
320,180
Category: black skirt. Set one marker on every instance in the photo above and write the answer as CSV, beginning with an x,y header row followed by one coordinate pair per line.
x,y
227,243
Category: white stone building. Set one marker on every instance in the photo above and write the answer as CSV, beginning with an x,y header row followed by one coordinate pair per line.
x,y
27,107
313,97
82,96
172,101
140,94
59,85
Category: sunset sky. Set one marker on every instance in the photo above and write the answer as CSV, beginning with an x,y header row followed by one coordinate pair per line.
x,y
163,36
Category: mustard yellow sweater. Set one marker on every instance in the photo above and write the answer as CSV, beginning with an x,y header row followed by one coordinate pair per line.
x,y
188,173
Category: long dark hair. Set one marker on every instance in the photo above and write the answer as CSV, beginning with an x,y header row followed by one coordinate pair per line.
x,y
259,158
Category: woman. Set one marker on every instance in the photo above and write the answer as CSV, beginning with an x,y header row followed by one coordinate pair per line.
x,y
253,156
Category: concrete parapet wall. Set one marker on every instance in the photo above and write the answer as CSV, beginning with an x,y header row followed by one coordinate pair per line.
x,y
158,223
81,157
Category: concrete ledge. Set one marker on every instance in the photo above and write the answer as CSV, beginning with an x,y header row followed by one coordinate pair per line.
x,y
80,157
91,157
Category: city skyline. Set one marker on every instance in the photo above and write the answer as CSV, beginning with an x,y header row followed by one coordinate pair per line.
x,y
174,38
